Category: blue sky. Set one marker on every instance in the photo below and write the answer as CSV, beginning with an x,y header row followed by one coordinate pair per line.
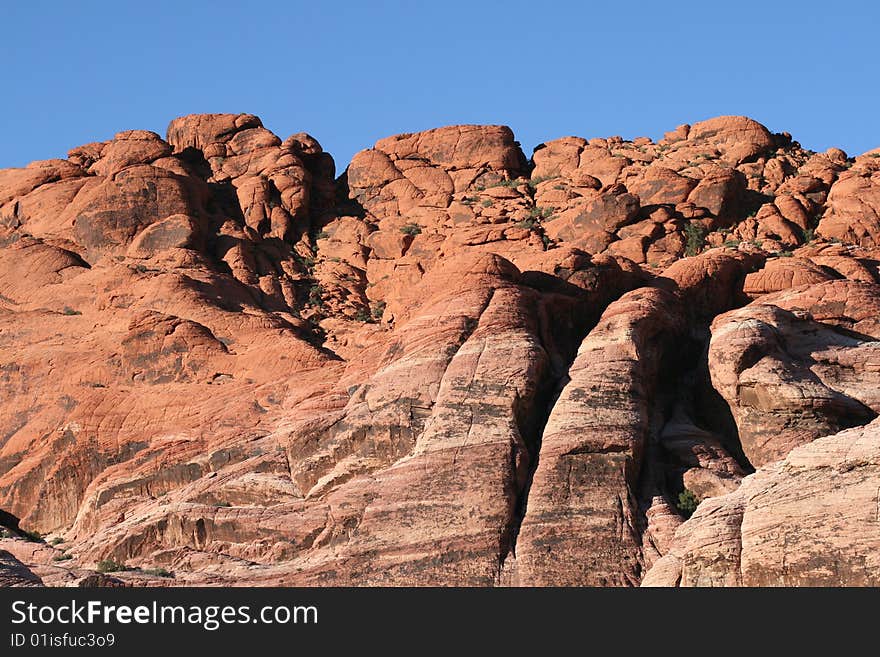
x,y
350,73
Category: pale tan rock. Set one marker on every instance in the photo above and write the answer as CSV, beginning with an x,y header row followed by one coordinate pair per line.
x,y
807,520
13,573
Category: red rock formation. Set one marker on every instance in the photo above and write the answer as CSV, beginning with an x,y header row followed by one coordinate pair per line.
x,y
579,526
792,371
450,365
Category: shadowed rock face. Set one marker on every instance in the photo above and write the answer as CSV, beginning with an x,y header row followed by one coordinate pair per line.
x,y
15,573
451,365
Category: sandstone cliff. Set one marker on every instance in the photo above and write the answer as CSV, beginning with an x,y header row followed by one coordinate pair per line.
x,y
449,365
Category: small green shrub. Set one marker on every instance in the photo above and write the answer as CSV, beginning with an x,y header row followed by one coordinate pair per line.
x,y
411,229
158,572
377,309
687,503
322,235
224,505
56,541
110,566
695,238
307,262
809,235
516,182
540,213
70,311
33,537
62,557
315,295
487,203
731,244
537,180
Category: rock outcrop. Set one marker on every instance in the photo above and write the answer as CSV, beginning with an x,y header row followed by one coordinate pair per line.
x,y
450,365
15,573
799,364
807,520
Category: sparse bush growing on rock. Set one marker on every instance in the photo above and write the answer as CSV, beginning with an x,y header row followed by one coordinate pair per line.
x,y
33,537
315,297
534,182
411,229
695,235
687,503
540,213
110,566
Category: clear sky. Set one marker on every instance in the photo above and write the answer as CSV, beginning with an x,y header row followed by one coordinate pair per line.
x,y
350,73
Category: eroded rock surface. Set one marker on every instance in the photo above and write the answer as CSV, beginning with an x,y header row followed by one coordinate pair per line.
x,y
450,365
807,520
15,573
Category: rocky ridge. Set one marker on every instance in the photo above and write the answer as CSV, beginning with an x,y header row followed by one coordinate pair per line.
x,y
451,365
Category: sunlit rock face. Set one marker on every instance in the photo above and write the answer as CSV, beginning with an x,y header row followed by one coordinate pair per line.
x,y
450,364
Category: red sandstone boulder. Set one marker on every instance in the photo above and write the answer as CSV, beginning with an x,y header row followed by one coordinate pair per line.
x,y
720,192
737,138
853,213
783,273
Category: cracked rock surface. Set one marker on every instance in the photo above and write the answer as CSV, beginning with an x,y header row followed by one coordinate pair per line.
x,y
451,364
